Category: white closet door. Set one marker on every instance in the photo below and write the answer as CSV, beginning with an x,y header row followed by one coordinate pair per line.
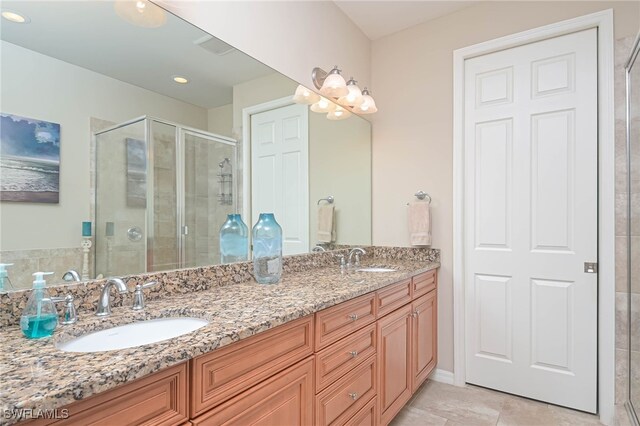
x,y
280,172
531,164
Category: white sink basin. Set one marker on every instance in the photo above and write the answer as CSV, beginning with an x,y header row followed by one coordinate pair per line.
x,y
132,335
376,270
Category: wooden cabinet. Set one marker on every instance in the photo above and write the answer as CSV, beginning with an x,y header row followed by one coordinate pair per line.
x,y
159,399
424,338
221,374
343,399
341,357
394,358
356,363
284,399
393,297
334,323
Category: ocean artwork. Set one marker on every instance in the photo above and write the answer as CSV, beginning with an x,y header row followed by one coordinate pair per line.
x,y
29,160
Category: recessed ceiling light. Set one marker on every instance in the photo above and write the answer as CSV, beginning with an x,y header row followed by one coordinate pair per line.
x,y
180,79
15,17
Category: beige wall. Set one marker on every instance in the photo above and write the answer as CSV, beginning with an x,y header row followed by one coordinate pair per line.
x,y
220,120
412,75
291,36
39,86
340,165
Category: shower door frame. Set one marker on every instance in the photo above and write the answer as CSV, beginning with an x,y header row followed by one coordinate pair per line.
x,y
633,58
181,133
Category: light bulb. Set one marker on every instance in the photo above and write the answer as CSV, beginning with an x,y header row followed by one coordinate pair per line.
x,y
338,113
368,105
140,5
334,85
323,105
141,13
354,97
305,96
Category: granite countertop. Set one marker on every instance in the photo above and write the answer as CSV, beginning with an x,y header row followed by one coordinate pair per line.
x,y
36,375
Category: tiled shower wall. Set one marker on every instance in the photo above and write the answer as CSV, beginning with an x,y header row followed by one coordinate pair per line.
x,y
622,51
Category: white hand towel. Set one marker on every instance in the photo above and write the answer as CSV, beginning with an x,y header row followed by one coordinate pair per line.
x,y
420,223
326,223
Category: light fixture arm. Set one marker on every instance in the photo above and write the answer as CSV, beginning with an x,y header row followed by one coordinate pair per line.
x,y
318,76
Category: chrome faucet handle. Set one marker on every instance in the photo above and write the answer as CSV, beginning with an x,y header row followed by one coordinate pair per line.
x,y
71,275
70,315
343,262
138,295
357,262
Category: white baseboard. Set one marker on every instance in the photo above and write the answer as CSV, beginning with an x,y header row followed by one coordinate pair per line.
x,y
442,376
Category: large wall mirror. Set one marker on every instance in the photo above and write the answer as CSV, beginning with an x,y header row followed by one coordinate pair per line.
x,y
154,131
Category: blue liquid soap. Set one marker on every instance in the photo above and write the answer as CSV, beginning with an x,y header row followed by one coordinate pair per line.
x,y
39,318
34,327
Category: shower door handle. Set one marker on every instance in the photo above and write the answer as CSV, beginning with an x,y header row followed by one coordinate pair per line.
x,y
185,230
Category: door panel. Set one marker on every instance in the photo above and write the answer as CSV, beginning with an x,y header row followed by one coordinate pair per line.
x,y
280,172
531,220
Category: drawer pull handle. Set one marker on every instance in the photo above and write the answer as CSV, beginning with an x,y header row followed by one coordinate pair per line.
x,y
353,317
353,354
353,395
416,313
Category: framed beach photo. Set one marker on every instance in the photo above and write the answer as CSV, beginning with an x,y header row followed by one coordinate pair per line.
x,y
29,160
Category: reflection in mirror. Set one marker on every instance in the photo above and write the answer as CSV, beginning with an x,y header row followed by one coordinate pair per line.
x,y
162,131
633,295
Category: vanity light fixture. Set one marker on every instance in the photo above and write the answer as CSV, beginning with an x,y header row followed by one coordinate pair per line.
x,y
180,79
354,97
305,96
331,85
323,105
15,17
339,113
141,13
368,105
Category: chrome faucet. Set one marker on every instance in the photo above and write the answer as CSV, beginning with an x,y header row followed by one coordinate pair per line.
x,y
70,315
71,275
138,295
357,251
104,307
318,248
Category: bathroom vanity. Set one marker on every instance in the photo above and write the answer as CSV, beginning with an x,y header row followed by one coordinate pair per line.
x,y
319,348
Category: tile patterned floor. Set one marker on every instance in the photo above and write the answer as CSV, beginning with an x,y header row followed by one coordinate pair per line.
x,y
439,404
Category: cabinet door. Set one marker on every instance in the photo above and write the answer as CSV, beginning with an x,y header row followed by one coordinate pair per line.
x,y
424,345
394,355
284,399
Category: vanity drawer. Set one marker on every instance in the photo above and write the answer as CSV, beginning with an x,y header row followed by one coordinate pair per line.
x,y
366,416
225,372
336,360
341,401
332,324
393,297
158,399
424,283
285,399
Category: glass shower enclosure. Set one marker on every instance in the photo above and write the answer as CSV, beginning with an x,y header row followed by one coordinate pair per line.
x,y
162,192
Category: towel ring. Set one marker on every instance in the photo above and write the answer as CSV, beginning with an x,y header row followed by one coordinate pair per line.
x,y
329,199
421,195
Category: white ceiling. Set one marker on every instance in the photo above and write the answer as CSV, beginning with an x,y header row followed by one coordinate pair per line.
x,y
90,34
379,18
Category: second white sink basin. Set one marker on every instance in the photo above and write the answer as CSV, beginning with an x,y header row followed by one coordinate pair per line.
x,y
132,335
376,270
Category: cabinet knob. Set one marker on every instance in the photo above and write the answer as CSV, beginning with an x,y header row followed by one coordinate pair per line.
x,y
353,395
416,313
353,317
353,354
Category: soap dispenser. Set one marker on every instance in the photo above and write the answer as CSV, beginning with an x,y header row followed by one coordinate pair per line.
x,y
5,283
39,318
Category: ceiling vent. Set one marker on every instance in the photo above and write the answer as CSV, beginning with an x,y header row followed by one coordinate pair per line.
x,y
214,45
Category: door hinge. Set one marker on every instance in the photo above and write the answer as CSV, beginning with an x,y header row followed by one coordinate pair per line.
x,y
591,267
